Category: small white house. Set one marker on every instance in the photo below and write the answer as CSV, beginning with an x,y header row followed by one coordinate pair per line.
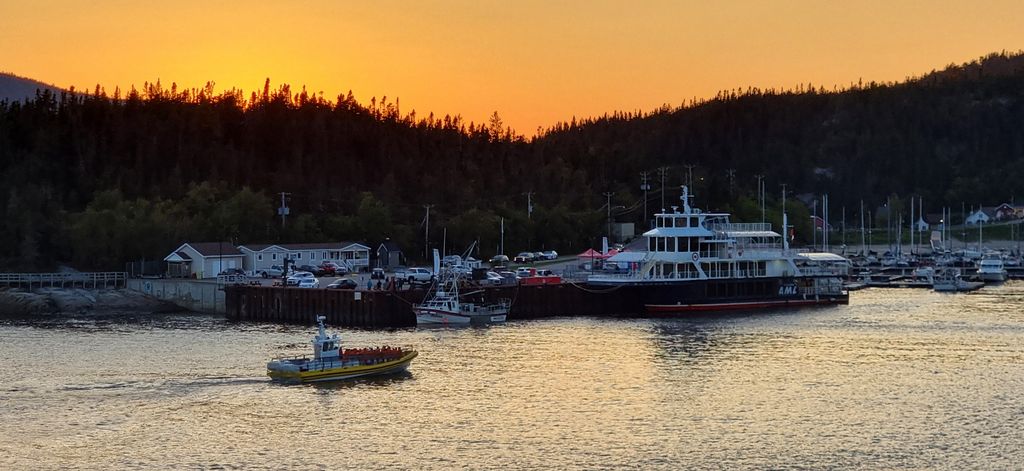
x,y
922,225
983,215
202,259
353,255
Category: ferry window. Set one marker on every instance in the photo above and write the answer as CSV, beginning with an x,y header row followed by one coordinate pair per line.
x,y
680,244
693,222
670,244
650,243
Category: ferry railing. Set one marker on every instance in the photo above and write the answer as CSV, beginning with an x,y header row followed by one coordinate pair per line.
x,y
739,226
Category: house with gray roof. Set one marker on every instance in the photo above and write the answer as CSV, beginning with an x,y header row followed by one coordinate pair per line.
x,y
202,259
259,257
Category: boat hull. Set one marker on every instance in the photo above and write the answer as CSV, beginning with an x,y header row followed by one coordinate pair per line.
x,y
318,374
681,297
992,276
427,317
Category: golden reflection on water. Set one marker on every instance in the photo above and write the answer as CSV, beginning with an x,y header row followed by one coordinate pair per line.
x,y
900,378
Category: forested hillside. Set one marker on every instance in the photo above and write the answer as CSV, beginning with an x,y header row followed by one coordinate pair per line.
x,y
96,179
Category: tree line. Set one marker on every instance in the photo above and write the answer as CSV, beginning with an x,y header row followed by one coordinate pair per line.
x,y
97,180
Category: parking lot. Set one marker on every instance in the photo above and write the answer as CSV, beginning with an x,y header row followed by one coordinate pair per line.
x,y
564,266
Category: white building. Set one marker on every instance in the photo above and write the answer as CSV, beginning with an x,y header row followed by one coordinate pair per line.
x,y
353,255
202,259
983,215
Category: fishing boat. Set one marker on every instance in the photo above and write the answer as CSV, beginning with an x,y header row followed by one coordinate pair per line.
x,y
949,280
444,306
991,268
331,362
696,261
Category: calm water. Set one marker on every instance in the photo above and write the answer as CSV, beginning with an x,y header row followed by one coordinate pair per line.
x,y
898,379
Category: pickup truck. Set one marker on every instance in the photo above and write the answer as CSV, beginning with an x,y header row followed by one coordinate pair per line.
x,y
415,275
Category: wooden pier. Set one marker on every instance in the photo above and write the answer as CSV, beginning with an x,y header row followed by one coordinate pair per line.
x,y
383,309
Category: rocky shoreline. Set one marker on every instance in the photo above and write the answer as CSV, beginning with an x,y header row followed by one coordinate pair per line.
x,y
47,301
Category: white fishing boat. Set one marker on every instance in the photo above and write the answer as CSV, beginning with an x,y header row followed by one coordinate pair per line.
x,y
950,280
444,306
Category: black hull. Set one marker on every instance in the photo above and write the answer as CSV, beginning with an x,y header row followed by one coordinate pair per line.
x,y
706,296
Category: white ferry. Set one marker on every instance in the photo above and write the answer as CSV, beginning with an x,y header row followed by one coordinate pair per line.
x,y
697,261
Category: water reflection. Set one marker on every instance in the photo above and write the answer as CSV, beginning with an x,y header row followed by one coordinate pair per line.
x,y
897,379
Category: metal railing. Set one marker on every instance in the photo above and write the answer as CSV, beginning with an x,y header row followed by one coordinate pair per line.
x,y
111,279
739,226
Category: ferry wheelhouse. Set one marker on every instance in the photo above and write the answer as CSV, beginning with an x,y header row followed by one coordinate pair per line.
x,y
697,261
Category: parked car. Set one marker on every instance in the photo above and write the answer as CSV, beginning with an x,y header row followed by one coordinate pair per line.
x,y
333,269
498,260
316,271
273,272
415,275
462,270
451,260
232,272
493,278
343,283
524,257
550,255
377,274
308,283
294,279
508,277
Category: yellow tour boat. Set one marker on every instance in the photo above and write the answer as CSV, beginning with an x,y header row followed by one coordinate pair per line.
x,y
330,362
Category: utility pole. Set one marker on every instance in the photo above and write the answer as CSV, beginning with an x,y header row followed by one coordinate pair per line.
x,y
814,225
661,172
644,176
426,232
608,195
785,230
529,204
283,210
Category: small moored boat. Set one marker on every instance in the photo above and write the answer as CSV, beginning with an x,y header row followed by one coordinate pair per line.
x,y
330,362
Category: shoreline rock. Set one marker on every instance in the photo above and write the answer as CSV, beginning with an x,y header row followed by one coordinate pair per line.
x,y
48,301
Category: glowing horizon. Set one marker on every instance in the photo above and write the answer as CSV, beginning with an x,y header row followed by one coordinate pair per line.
x,y
535,63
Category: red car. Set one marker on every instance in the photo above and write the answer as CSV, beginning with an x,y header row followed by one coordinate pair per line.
x,y
333,269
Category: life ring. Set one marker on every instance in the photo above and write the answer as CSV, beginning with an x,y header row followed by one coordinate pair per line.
x,y
696,256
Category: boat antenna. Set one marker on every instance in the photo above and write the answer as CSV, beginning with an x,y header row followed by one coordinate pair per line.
x,y
686,200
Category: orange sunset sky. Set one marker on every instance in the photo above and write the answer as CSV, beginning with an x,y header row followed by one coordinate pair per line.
x,y
534,62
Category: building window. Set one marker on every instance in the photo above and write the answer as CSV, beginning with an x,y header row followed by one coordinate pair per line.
x,y
298,255
325,255
273,256
259,257
311,255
